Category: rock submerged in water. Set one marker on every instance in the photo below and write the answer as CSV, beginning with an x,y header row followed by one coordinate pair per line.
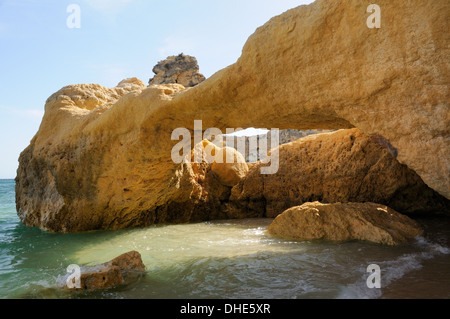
x,y
118,271
345,221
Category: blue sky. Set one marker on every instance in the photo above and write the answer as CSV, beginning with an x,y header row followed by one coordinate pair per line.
x,y
39,54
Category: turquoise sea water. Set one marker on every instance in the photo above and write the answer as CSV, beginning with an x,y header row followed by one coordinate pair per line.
x,y
221,259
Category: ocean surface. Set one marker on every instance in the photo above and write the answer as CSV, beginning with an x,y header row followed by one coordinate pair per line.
x,y
221,259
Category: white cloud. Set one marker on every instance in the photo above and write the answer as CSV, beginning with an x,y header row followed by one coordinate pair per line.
x,y
249,132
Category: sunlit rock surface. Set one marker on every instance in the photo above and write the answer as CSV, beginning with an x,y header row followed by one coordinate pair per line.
x,y
343,222
101,158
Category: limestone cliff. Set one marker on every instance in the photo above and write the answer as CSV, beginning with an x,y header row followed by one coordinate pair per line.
x,y
101,158
342,166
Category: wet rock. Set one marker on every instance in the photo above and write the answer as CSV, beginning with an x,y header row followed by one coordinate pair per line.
x,y
118,271
101,277
343,222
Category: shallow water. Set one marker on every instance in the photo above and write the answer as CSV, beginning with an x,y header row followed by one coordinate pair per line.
x,y
220,259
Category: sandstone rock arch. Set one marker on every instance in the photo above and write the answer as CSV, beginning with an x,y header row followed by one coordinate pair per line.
x,y
101,158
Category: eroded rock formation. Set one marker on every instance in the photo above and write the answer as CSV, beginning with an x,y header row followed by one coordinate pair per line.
x,y
252,151
181,69
202,189
342,166
344,222
116,272
101,158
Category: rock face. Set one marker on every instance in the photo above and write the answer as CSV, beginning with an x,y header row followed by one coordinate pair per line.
x,y
204,187
284,137
342,166
230,173
289,135
181,69
344,222
102,157
101,277
112,273
130,261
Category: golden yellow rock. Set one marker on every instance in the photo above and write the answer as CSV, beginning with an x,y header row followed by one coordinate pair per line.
x,y
344,222
231,167
102,157
342,166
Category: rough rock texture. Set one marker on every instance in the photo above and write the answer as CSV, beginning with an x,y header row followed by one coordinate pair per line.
x,y
230,173
343,222
181,69
342,166
284,137
112,273
289,135
312,67
203,188
101,277
131,260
